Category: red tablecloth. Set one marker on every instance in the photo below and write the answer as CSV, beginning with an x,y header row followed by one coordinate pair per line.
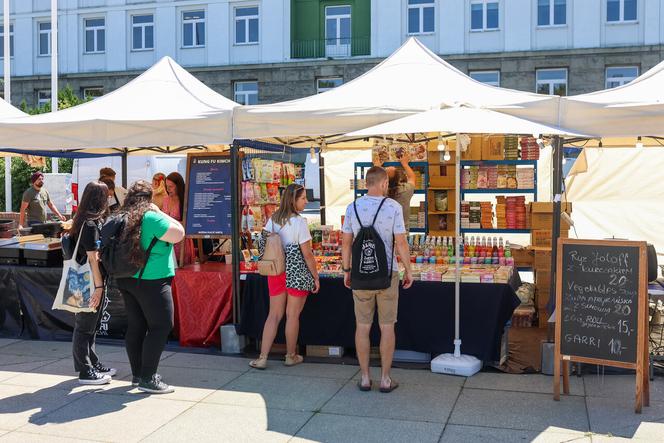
x,y
203,302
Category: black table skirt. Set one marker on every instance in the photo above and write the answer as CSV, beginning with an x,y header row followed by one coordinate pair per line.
x,y
26,297
425,318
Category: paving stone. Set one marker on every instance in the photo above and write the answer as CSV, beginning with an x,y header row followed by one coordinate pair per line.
x,y
11,359
270,391
650,432
214,423
119,355
338,372
617,417
36,348
184,360
538,383
417,377
21,404
619,386
109,418
332,428
7,341
471,434
24,437
8,372
515,410
407,402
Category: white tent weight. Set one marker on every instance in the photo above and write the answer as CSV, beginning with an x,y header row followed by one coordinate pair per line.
x,y
164,106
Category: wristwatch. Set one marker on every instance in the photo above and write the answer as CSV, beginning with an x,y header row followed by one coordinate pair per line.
x,y
346,270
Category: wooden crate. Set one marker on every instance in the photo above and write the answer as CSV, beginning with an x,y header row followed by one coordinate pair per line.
x,y
542,237
325,351
523,257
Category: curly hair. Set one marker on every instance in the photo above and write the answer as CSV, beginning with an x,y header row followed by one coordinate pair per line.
x,y
136,204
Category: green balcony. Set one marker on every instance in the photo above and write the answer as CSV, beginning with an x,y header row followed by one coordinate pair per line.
x,y
331,48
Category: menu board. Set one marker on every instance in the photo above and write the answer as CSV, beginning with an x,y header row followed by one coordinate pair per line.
x,y
599,301
208,199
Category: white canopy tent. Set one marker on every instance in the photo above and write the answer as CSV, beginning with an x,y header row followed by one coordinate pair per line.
x,y
164,106
411,80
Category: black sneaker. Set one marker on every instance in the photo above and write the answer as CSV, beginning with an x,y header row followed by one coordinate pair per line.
x,y
92,377
135,381
155,386
104,370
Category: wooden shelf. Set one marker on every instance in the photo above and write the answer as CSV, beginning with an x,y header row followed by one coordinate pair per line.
x,y
441,188
441,212
441,233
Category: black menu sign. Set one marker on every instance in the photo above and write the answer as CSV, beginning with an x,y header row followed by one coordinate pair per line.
x,y
208,199
600,301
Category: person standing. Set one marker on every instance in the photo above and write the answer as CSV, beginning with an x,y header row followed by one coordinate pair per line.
x,y
384,215
86,225
120,192
293,232
147,296
402,186
34,203
113,200
173,205
159,189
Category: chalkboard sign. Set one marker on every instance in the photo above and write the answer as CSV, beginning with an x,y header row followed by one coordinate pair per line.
x,y
601,307
208,197
600,301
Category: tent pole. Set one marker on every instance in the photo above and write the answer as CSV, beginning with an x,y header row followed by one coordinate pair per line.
x,y
235,230
124,168
321,187
457,246
8,183
555,233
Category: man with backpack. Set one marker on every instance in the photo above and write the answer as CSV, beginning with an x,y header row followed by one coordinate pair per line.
x,y
373,229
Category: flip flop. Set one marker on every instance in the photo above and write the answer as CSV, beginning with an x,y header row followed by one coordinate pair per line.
x,y
362,387
392,387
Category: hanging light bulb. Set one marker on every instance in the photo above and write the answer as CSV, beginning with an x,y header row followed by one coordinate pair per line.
x,y
639,143
564,161
447,157
441,144
312,156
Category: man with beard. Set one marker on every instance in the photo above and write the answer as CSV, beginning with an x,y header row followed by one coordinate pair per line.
x,y
35,201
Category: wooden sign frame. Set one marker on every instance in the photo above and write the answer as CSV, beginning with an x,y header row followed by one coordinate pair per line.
x,y
199,238
642,358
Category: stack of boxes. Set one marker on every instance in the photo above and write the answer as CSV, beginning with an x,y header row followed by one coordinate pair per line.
x,y
541,220
511,147
525,178
471,215
515,212
486,217
529,149
501,211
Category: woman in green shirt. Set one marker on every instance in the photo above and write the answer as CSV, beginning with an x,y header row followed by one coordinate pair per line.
x,y
148,300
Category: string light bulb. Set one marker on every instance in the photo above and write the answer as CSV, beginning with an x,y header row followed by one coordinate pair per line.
x,y
441,144
312,156
447,157
639,143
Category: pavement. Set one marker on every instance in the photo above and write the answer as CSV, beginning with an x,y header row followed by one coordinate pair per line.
x,y
219,398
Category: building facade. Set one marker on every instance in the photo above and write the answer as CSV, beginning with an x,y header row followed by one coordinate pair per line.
x,y
264,51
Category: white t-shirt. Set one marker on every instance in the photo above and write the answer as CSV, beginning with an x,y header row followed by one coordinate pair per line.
x,y
388,223
295,231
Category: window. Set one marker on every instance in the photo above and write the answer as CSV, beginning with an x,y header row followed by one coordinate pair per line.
x,y
484,15
421,16
142,32
552,81
489,77
620,10
246,25
246,93
325,84
193,29
95,35
337,31
92,93
620,75
44,29
43,97
2,41
551,12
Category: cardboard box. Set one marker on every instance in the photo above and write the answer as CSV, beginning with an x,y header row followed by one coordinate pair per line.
x,y
547,207
493,147
325,351
542,237
523,257
474,151
545,221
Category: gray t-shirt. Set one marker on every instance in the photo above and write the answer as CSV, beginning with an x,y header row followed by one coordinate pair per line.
x,y
388,223
403,196
37,201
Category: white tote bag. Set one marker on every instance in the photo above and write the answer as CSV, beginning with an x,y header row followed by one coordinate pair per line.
x,y
76,285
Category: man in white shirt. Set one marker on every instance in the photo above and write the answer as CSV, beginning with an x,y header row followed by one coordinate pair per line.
x,y
120,192
390,227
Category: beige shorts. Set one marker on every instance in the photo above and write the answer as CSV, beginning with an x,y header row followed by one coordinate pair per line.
x,y
386,299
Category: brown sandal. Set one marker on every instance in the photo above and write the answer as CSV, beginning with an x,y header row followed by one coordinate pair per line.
x,y
293,359
392,387
364,388
259,363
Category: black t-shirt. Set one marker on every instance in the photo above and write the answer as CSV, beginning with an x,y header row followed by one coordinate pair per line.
x,y
90,233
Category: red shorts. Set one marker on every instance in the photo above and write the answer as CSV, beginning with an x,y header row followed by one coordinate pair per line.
x,y
277,285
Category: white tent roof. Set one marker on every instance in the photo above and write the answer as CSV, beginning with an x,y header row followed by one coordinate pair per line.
x,y
164,106
411,80
631,110
460,119
9,111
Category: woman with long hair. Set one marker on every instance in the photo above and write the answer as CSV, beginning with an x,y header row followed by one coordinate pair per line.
x,y
402,186
148,299
159,189
292,229
174,207
92,210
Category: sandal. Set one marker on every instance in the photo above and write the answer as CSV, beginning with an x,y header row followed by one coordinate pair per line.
x,y
362,387
259,363
293,359
392,387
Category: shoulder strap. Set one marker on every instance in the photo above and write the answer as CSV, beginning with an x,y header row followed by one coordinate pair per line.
x,y
379,206
356,214
147,256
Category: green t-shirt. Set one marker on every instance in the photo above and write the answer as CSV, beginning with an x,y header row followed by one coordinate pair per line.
x,y
160,263
37,202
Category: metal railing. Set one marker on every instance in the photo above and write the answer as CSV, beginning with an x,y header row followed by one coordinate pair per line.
x,y
331,48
